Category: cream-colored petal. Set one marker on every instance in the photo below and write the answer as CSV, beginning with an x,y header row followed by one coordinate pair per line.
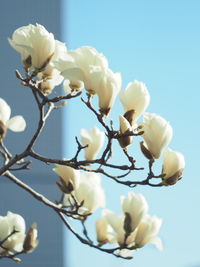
x,y
74,74
5,111
16,124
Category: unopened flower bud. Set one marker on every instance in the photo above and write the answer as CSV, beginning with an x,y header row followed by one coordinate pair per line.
x,y
3,130
31,242
173,166
125,128
127,224
65,187
46,86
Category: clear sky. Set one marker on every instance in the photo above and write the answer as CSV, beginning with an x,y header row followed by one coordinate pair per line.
x,y
157,42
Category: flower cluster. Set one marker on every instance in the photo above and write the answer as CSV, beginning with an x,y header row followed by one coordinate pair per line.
x,y
133,229
13,237
48,63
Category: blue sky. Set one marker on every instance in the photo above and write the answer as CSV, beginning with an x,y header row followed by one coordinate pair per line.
x,y
157,42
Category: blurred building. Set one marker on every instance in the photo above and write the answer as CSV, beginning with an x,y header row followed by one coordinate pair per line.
x,y
15,14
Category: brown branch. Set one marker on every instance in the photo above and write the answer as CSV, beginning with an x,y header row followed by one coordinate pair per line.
x,y
39,196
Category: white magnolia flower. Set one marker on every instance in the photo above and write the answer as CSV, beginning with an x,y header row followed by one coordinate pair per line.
x,y
89,192
16,124
135,99
8,224
76,65
35,44
106,84
147,232
135,207
125,127
173,166
69,177
94,139
157,134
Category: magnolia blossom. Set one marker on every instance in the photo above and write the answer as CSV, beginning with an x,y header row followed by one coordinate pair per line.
x,y
8,224
147,232
16,124
125,127
135,99
86,65
173,166
35,44
120,229
89,192
76,65
106,85
94,139
69,178
131,230
135,208
157,135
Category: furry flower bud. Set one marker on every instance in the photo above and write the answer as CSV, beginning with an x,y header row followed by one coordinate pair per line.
x,y
125,127
173,166
31,242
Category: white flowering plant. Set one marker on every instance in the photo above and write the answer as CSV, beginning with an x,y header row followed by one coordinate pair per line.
x,y
47,63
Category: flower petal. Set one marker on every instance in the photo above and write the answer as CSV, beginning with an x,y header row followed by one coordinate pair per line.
x,y
74,74
4,111
16,124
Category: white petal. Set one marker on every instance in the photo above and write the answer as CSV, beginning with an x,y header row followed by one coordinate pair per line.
x,y
4,111
74,74
16,221
16,124
5,227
